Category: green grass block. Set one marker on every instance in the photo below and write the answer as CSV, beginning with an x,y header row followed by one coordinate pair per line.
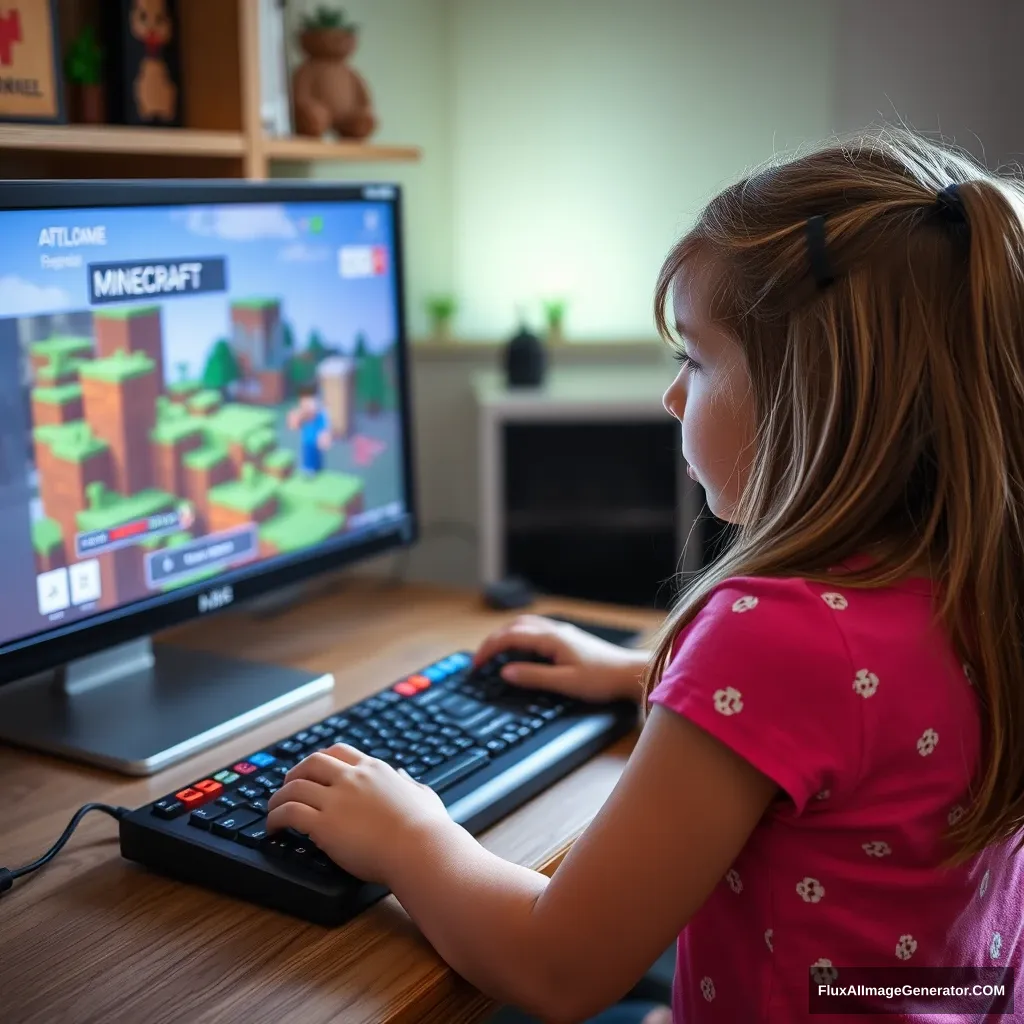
x,y
205,458
280,458
61,345
261,441
300,527
125,312
232,424
171,429
46,536
255,303
204,401
245,495
184,387
63,395
51,372
334,490
71,442
116,509
118,368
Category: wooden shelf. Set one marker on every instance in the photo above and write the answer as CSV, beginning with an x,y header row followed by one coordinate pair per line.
x,y
126,141
314,149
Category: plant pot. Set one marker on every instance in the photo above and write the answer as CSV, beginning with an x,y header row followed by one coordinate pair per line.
x,y
442,334
90,104
555,335
328,43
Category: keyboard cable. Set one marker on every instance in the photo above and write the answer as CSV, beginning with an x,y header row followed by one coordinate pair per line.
x,y
8,876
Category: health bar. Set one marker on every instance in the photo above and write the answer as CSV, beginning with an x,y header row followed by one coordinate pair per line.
x,y
126,530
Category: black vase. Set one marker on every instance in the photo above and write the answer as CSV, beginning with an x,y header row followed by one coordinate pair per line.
x,y
525,360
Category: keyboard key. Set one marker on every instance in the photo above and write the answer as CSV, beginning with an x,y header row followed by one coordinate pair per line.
x,y
244,768
253,835
277,845
509,737
228,826
260,806
209,787
230,802
306,738
202,817
464,742
226,777
423,681
323,731
455,771
250,792
425,698
451,732
191,797
448,750
458,707
268,781
416,769
382,753
406,689
490,728
261,760
495,746
168,808
432,759
288,747
524,731
337,722
388,697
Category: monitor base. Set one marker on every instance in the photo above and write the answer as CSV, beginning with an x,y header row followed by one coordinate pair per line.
x,y
141,708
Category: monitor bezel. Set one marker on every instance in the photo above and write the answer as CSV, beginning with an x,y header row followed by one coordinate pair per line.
x,y
55,647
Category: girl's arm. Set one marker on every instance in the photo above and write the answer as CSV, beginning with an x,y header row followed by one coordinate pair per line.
x,y
567,947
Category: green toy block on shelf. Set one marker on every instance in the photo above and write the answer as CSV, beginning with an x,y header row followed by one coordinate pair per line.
x,y
46,536
118,368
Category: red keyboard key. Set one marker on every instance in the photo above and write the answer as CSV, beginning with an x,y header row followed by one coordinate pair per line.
x,y
209,787
244,768
190,797
420,682
406,689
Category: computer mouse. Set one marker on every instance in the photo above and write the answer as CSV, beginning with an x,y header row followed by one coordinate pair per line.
x,y
511,592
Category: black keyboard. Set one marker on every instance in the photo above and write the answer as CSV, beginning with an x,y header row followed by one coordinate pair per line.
x,y
485,747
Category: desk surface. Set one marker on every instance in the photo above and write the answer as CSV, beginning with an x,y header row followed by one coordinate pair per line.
x,y
92,938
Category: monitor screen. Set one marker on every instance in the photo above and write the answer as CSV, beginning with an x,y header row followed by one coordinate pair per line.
x,y
193,393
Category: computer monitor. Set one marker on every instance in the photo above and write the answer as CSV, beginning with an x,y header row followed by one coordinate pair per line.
x,y
203,397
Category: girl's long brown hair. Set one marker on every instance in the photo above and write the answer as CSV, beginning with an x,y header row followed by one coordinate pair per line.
x,y
890,405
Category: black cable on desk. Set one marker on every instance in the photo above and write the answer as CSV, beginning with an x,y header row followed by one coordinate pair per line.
x,y
8,876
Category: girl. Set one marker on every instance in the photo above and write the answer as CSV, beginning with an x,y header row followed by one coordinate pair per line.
x,y
831,772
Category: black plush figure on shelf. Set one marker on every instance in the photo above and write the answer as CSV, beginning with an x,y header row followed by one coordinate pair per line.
x,y
525,360
147,75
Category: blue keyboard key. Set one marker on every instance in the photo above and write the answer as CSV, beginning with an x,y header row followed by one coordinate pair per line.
x,y
262,760
435,673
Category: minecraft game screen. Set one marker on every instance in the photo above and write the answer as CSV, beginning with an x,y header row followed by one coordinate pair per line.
x,y
185,391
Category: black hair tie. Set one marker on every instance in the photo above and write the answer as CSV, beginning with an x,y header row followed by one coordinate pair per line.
x,y
951,205
817,253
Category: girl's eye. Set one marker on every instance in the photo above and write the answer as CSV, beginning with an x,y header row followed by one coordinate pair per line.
x,y
684,359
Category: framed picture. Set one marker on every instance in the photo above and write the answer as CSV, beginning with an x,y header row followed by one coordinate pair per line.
x,y
31,88
145,66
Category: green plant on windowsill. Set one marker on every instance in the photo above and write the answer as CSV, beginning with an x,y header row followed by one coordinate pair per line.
x,y
554,317
441,309
83,67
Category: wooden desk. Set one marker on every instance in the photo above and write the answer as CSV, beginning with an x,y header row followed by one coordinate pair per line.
x,y
92,938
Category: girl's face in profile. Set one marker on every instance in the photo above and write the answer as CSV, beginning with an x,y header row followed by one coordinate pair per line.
x,y
711,396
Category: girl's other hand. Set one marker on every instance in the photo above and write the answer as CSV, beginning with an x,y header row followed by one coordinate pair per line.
x,y
583,666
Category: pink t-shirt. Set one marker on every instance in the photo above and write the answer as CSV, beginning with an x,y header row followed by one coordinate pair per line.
x,y
854,702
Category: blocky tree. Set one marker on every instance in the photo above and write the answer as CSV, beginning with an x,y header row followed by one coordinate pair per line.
x,y
221,368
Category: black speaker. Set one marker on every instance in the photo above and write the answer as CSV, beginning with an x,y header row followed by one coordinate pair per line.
x,y
525,360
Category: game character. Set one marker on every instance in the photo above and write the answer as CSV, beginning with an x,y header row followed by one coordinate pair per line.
x,y
309,418
155,93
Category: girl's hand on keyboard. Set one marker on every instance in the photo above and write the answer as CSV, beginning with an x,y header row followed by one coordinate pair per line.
x,y
357,809
582,665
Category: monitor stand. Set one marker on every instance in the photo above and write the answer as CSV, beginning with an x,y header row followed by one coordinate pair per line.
x,y
140,707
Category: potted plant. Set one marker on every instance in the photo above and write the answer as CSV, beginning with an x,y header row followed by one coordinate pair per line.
x,y
554,316
84,70
441,309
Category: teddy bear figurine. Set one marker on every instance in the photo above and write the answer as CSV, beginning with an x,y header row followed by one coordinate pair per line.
x,y
327,93
156,96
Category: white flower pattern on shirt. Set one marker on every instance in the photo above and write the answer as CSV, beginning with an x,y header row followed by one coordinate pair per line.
x,y
707,987
728,701
768,936
983,888
810,890
995,946
732,876
906,947
835,601
955,814
877,848
865,683
823,972
744,604
823,795
928,742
